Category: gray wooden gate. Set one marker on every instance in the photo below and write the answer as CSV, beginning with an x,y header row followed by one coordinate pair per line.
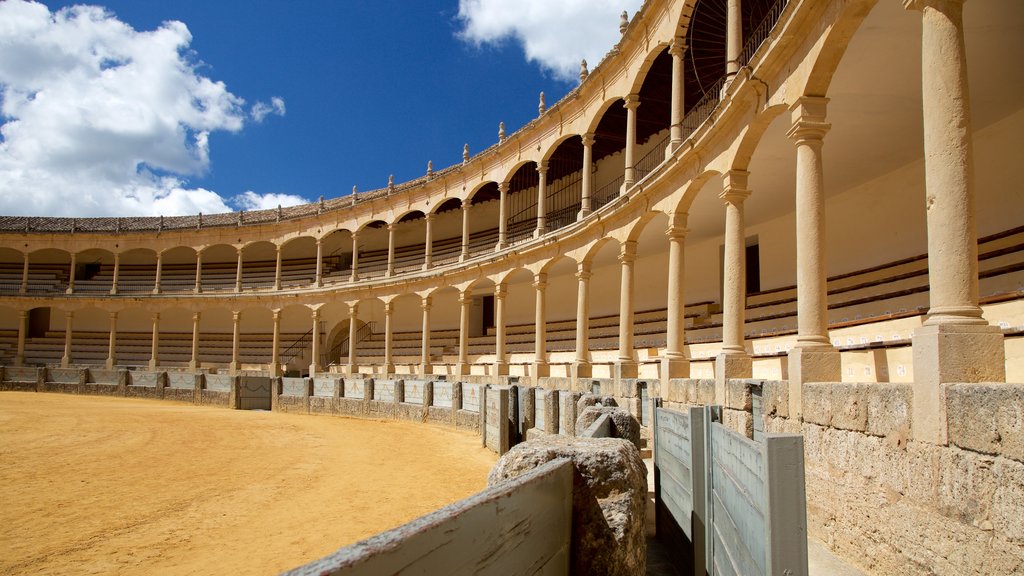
x,y
254,393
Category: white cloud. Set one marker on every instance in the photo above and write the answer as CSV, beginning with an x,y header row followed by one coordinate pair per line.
x,y
250,200
556,35
260,110
101,119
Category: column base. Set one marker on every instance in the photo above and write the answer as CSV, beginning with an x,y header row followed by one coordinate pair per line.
x,y
540,370
584,213
426,369
193,365
387,368
500,368
274,370
727,367
351,369
69,291
313,370
65,362
110,363
625,369
951,354
156,290
233,368
810,364
581,370
19,360
462,369
154,364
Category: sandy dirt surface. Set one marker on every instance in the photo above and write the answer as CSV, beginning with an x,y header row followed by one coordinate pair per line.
x,y
120,486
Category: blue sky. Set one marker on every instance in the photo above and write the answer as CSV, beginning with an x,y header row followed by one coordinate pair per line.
x,y
335,94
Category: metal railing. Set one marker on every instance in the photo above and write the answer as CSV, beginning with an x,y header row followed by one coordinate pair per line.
x,y
762,32
651,160
607,193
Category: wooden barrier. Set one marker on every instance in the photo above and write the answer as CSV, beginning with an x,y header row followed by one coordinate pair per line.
x,y
739,502
520,527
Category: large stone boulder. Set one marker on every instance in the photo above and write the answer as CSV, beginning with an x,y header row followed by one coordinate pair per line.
x,y
609,499
624,425
587,400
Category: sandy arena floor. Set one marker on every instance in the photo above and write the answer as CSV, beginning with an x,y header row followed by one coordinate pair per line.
x,y
120,486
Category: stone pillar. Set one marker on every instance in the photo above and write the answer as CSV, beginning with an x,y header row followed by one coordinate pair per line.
x,y
587,180
632,103
625,365
542,195
193,364
275,347
675,364
355,258
389,364
19,356
353,317
465,301
199,272
238,272
24,276
428,243
69,318
733,38
277,270
733,362
314,364
159,272
677,50
112,346
236,337
465,231
319,262
540,359
813,359
154,352
71,275
500,360
391,250
502,218
117,273
581,367
425,366
955,344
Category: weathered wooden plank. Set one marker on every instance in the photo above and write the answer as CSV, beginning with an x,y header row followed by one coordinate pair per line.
x,y
496,422
521,527
786,504
739,499
733,554
442,394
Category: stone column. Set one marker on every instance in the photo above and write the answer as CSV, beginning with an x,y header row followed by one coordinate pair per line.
x,y
733,362
69,318
813,359
154,352
677,50
24,276
275,347
238,272
626,365
355,258
502,219
112,346
955,344
465,231
353,317
193,364
542,195
500,359
632,103
236,341
675,364
389,364
540,359
733,38
465,300
71,275
314,364
277,270
19,356
199,272
117,272
319,262
581,367
159,272
391,250
587,180
428,242
425,366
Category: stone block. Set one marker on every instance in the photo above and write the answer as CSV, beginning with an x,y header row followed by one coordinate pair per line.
x,y
624,424
775,398
737,395
817,403
849,406
587,400
889,411
703,392
609,499
739,421
675,390
987,418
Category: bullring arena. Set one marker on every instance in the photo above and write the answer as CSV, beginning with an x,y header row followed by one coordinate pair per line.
x,y
805,212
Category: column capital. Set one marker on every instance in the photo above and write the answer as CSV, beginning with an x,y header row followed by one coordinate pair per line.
x,y
675,232
627,252
500,291
631,101
276,313
678,47
391,227
22,314
734,190
808,115
425,303
69,313
465,298
353,309
155,316
236,315
502,188
588,139
583,272
316,314
113,315
320,241
428,216
389,307
542,168
540,281
195,316
465,205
